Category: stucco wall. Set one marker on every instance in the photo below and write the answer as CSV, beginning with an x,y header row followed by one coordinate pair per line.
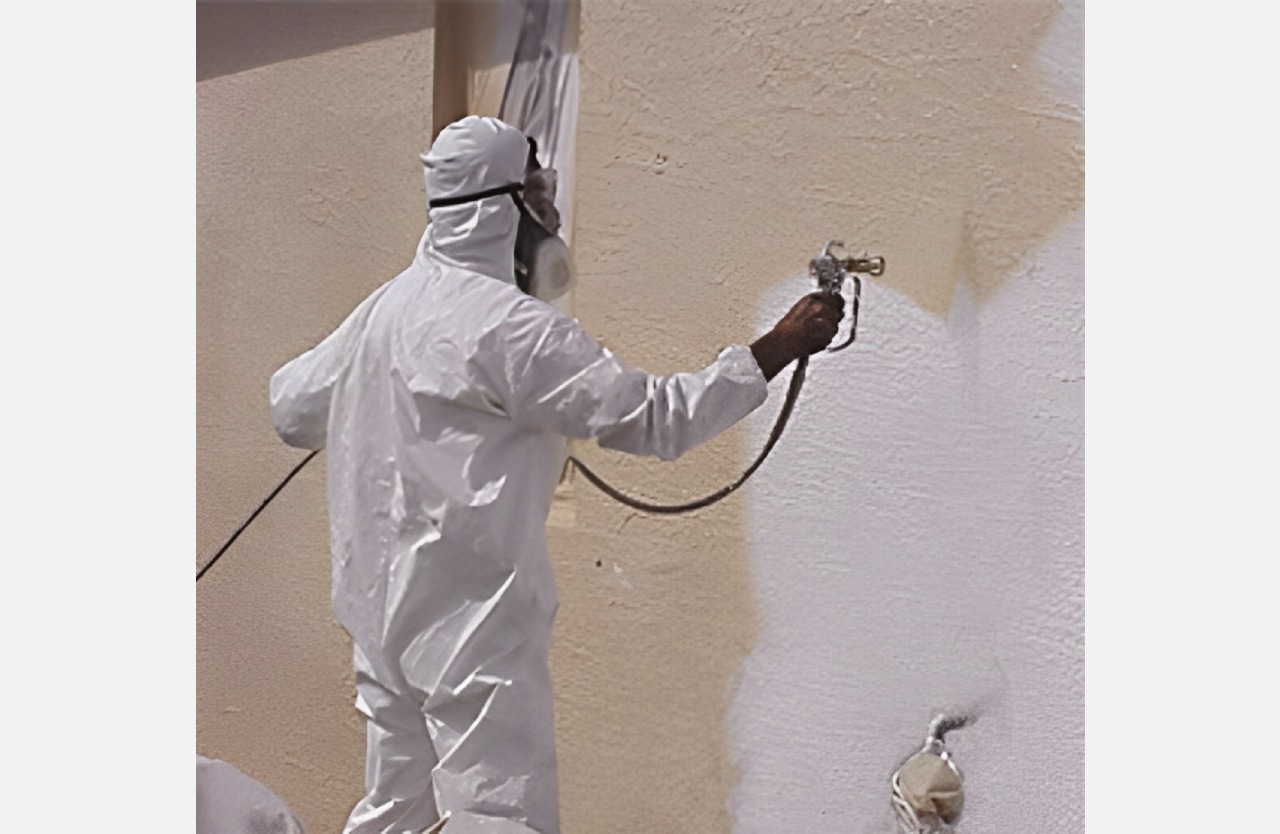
x,y
309,196
933,564
936,465
720,145
919,544
936,562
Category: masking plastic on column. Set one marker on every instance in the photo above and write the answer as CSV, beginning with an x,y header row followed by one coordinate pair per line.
x,y
442,401
541,101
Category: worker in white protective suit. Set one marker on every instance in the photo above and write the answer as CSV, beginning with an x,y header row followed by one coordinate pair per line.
x,y
443,401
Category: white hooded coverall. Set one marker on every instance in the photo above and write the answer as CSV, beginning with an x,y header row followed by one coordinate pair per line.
x,y
443,401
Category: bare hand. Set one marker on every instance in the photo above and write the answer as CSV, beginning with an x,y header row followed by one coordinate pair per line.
x,y
808,327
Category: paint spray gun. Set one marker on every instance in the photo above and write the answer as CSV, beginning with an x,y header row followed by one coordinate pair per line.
x,y
832,273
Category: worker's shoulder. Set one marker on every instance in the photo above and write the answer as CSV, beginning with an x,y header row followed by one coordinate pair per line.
x,y
506,304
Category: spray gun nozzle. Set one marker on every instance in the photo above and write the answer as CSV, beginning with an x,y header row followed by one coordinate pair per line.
x,y
867,266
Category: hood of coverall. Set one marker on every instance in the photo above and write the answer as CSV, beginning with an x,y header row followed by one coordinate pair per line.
x,y
475,154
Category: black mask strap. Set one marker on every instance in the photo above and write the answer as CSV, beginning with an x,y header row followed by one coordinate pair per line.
x,y
529,234
511,189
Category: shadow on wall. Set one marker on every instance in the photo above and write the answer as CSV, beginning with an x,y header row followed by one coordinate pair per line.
x,y
237,36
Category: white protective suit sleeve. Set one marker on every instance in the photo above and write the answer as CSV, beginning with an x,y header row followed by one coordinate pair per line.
x,y
553,377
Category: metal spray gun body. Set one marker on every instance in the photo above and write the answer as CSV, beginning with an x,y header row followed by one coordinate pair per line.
x,y
831,274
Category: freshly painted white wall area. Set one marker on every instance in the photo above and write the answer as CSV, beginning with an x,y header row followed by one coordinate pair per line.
x,y
918,545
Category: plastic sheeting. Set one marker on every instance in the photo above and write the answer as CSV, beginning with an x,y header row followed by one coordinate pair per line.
x,y
443,401
541,95
229,802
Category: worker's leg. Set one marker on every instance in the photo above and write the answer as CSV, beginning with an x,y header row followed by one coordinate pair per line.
x,y
495,737
398,762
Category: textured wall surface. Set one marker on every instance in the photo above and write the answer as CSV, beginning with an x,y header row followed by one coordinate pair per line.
x,y
919,547
915,541
932,561
309,196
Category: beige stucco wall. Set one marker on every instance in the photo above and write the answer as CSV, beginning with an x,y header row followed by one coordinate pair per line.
x,y
719,145
309,196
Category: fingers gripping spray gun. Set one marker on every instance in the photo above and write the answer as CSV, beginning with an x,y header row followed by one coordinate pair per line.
x,y
831,274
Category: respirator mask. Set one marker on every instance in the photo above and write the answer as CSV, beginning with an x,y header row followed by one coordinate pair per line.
x,y
542,264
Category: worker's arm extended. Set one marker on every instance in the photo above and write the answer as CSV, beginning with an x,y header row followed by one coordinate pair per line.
x,y
557,378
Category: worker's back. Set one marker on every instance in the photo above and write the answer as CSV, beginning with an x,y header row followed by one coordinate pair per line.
x,y
427,469
435,491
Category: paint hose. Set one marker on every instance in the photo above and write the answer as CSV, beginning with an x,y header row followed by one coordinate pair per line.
x,y
244,524
793,393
